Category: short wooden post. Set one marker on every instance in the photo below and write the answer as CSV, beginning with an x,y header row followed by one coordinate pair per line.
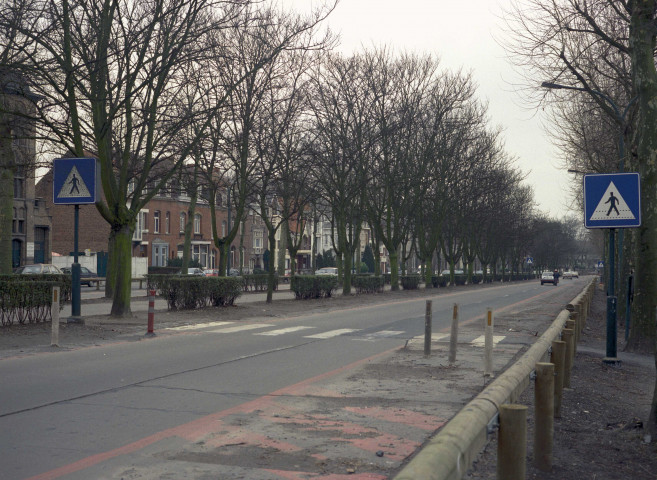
x,y
454,334
568,336
54,315
544,416
427,329
488,343
512,442
558,357
571,324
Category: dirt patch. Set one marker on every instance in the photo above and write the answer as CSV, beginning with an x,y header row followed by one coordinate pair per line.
x,y
600,434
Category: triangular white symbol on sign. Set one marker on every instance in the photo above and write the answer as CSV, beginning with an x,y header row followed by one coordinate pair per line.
x,y
612,206
74,186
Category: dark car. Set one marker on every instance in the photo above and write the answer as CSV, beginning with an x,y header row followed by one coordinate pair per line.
x,y
86,275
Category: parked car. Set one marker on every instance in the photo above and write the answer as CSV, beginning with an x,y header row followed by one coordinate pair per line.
x,y
211,272
548,277
195,271
233,272
38,269
575,274
567,274
85,275
327,271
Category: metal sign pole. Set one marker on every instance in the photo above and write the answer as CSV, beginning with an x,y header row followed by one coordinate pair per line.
x,y
75,273
611,357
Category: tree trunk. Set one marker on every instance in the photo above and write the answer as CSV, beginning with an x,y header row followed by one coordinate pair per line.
x,y
271,273
644,75
122,269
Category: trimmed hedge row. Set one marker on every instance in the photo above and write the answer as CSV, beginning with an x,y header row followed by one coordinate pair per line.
x,y
313,286
410,282
368,283
257,282
188,293
28,298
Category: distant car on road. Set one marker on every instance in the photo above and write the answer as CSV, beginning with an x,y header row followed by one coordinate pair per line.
x,y
86,275
38,269
327,271
211,272
548,277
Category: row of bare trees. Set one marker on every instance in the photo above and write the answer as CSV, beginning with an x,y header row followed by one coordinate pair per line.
x,y
249,98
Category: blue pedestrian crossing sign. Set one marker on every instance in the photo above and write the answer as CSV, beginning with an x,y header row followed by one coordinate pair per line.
x,y
75,181
612,200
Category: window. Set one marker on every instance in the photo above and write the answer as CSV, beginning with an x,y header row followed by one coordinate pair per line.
x,y
218,200
156,221
223,228
183,221
167,223
257,239
200,254
197,223
19,187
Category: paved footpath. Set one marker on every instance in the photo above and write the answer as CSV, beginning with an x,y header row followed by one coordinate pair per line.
x,y
359,422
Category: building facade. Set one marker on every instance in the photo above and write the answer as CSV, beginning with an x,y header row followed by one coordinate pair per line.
x,y
31,221
160,230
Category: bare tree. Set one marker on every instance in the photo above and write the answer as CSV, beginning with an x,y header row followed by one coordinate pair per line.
x,y
341,105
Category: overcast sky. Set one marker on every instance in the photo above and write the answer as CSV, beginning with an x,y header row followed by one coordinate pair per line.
x,y
462,35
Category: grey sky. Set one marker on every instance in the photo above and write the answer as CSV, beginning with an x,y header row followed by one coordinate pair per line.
x,y
462,35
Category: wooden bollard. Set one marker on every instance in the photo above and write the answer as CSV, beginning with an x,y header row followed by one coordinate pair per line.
x,y
427,329
454,334
571,324
569,337
54,315
488,343
544,416
558,357
573,317
512,442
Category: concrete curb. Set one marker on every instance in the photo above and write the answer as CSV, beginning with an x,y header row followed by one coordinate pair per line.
x,y
450,453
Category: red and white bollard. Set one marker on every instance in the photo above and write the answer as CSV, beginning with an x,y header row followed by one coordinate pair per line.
x,y
151,313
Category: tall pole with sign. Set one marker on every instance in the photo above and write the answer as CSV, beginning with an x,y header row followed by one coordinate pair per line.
x,y
75,182
612,201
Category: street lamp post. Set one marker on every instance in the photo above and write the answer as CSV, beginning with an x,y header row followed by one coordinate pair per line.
x,y
611,298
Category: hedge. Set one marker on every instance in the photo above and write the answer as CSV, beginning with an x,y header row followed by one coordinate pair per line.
x,y
368,283
28,298
410,282
257,282
187,293
313,286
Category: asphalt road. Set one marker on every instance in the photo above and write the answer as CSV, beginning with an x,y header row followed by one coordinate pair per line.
x,y
61,413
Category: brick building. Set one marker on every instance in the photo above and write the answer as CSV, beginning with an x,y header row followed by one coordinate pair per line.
x,y
159,232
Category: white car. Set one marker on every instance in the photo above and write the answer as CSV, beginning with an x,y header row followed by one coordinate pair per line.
x,y
327,271
547,277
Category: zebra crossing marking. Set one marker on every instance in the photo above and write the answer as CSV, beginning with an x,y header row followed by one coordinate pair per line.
x,y
241,328
198,326
282,331
332,333
480,341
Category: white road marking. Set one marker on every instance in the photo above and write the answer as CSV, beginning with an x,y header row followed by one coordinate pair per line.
x,y
380,334
283,331
481,340
198,326
332,333
241,328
